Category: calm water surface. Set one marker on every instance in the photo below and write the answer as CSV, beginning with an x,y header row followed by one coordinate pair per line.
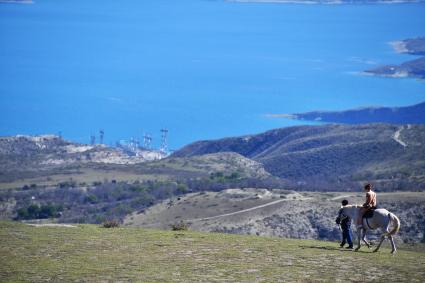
x,y
202,69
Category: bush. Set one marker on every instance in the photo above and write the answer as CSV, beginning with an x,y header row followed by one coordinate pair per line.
x,y
91,199
34,211
111,224
180,226
67,184
182,188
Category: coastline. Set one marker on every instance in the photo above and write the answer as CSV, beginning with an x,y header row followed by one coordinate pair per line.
x,y
16,2
327,2
399,46
408,69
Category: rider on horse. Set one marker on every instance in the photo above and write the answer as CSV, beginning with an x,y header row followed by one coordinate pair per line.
x,y
368,205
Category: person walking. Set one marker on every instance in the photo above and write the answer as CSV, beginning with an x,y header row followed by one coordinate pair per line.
x,y
345,225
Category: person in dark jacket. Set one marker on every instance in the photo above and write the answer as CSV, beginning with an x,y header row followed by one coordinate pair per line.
x,y
345,224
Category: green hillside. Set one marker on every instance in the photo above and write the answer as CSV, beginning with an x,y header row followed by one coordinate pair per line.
x,y
332,156
92,254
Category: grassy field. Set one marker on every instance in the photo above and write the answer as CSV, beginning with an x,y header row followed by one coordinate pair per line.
x,y
90,253
86,176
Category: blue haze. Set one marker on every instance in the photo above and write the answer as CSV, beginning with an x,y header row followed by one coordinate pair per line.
x,y
202,69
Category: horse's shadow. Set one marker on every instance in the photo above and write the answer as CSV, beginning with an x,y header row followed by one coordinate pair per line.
x,y
329,248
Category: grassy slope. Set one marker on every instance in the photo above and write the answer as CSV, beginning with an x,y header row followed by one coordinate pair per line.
x,y
91,253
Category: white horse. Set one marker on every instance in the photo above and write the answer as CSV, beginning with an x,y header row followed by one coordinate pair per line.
x,y
381,219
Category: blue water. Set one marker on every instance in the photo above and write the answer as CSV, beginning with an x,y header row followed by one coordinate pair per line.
x,y
202,69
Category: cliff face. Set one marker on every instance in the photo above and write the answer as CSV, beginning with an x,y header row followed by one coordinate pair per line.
x,y
333,155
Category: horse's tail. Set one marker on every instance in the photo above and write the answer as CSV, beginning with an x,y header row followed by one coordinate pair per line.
x,y
396,222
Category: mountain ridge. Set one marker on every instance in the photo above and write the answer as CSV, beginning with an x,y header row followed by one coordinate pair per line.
x,y
329,155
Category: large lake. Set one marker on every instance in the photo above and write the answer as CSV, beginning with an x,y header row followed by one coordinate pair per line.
x,y
203,69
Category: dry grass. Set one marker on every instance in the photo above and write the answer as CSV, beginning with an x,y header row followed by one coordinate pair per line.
x,y
90,253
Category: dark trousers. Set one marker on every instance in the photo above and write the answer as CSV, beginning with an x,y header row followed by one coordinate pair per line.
x,y
347,237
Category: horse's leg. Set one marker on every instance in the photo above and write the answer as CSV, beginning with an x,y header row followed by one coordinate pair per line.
x,y
359,235
386,233
364,238
394,250
380,243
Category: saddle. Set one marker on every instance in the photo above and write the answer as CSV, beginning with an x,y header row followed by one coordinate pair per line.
x,y
370,212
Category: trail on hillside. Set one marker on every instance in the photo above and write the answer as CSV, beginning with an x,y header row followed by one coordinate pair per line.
x,y
396,136
52,225
341,197
249,209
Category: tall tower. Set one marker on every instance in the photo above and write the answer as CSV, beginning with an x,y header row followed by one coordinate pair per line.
x,y
147,139
92,139
101,134
164,146
133,144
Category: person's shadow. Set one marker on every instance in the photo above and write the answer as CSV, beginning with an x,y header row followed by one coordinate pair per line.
x,y
331,248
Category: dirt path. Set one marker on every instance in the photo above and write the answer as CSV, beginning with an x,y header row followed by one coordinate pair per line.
x,y
342,197
52,225
248,209
396,136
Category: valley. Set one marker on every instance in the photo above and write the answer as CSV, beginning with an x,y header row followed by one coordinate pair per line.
x,y
287,182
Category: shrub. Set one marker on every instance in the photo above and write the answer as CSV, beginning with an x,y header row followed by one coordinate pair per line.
x,y
91,199
111,224
182,188
34,211
180,226
67,184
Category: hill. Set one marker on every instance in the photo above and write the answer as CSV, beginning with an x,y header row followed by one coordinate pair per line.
x,y
93,254
49,161
289,214
333,156
93,193
414,114
31,156
47,177
51,150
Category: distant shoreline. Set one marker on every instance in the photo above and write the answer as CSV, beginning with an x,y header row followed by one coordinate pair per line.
x,y
399,46
16,1
413,68
328,2
412,114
